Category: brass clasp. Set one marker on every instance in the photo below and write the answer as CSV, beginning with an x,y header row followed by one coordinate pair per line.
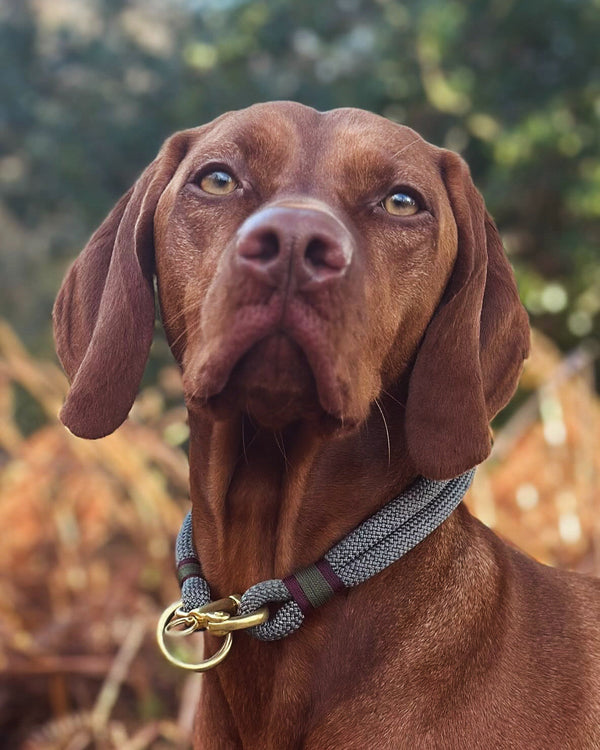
x,y
219,618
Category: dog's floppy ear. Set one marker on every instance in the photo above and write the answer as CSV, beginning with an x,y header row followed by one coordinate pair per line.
x,y
470,359
104,312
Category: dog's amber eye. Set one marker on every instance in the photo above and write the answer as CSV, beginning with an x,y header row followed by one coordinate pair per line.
x,y
218,183
401,204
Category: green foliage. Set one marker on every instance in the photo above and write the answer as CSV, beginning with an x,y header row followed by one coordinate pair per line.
x,y
91,88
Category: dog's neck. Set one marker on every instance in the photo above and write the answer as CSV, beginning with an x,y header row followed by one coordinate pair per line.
x,y
266,504
278,503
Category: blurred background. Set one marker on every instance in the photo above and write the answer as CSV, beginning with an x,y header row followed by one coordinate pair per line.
x,y
88,91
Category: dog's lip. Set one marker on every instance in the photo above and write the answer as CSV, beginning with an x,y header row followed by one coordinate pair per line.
x,y
209,376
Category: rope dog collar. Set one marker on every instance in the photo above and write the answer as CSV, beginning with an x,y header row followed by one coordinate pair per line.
x,y
375,544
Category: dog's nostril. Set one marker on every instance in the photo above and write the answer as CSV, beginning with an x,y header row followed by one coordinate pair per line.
x,y
261,246
269,246
316,253
323,254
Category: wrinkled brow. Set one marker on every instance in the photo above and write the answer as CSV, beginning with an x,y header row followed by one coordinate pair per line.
x,y
367,155
254,142
365,169
370,170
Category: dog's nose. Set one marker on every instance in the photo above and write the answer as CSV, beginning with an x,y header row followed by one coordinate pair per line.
x,y
310,245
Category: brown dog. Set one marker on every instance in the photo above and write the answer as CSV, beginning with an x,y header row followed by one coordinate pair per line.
x,y
345,320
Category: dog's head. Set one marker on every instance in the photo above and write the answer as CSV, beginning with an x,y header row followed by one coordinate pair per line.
x,y
305,262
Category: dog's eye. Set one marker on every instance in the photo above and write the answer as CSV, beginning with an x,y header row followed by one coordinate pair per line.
x,y
218,183
401,204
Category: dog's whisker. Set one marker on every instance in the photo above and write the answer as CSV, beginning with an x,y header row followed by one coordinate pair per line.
x,y
387,432
408,145
281,445
394,399
244,440
184,310
191,332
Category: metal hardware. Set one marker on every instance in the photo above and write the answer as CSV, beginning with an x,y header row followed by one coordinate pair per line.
x,y
238,622
218,618
184,623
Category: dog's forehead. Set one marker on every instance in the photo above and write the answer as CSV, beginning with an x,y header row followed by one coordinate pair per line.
x,y
287,132
368,149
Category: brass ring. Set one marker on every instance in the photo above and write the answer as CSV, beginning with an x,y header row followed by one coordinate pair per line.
x,y
202,666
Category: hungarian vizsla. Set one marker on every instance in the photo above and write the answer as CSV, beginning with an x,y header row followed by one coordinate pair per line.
x,y
346,321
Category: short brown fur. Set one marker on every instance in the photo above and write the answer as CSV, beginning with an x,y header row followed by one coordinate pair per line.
x,y
321,379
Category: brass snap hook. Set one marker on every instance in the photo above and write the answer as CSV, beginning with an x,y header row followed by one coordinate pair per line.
x,y
184,623
218,618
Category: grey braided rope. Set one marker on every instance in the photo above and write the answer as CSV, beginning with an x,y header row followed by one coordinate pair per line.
x,y
195,591
375,544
